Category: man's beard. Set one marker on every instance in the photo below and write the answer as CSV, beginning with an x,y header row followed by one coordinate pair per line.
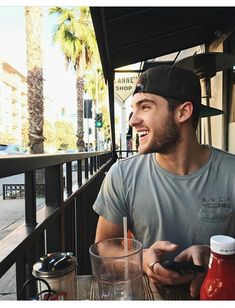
x,y
165,139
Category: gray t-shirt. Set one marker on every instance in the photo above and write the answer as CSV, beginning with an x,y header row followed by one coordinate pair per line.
x,y
160,205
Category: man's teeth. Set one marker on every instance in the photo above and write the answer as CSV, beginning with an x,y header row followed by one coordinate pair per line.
x,y
143,133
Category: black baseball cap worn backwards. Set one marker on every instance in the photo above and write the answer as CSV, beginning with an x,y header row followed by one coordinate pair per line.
x,y
177,83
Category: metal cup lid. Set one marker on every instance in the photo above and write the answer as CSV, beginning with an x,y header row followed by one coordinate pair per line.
x,y
54,265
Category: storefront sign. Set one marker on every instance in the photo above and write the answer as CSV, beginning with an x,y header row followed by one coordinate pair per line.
x,y
124,85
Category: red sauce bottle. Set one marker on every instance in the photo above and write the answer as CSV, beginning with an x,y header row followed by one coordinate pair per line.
x,y
219,283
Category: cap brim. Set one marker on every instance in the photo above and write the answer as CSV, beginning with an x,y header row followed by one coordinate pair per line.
x,y
206,111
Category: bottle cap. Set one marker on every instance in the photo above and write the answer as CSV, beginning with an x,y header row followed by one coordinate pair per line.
x,y
222,244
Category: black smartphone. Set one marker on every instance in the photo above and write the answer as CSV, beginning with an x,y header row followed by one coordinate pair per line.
x,y
183,267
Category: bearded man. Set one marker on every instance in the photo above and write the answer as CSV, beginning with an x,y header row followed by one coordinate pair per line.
x,y
175,193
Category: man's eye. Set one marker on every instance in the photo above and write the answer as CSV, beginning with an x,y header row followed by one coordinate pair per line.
x,y
145,107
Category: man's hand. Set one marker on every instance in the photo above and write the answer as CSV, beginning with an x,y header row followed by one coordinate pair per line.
x,y
158,274
199,255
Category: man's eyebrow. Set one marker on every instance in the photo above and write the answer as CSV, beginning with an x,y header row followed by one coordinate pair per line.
x,y
144,100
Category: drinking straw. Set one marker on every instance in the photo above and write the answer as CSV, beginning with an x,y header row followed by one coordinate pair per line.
x,y
125,246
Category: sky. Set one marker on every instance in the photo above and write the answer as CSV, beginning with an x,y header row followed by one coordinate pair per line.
x,y
59,83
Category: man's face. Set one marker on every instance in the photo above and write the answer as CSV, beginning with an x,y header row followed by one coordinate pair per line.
x,y
154,123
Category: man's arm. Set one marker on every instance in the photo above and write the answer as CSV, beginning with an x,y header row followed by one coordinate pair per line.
x,y
107,229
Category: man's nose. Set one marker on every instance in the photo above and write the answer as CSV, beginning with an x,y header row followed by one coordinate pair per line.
x,y
134,120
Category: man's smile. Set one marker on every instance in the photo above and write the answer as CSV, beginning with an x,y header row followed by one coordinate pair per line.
x,y
142,134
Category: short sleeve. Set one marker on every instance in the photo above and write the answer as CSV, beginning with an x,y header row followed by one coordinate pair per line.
x,y
110,202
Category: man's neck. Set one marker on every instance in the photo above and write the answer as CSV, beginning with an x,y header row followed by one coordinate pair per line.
x,y
185,159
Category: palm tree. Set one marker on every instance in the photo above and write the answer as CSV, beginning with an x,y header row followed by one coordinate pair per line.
x,y
95,87
33,23
95,84
74,33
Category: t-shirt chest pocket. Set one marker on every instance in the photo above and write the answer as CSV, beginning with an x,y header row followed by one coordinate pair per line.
x,y
215,209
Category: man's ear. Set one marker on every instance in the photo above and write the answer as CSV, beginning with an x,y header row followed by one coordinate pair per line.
x,y
184,111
